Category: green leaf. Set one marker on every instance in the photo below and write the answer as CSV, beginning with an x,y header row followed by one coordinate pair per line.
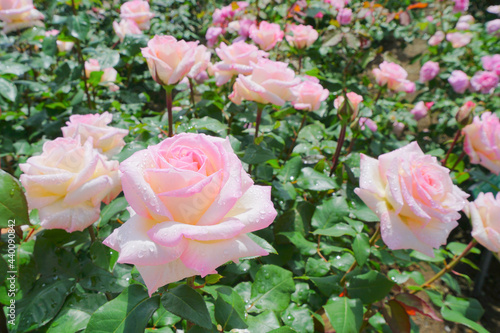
x,y
272,288
417,304
229,309
185,302
13,205
264,322
298,318
262,243
127,313
102,256
457,317
296,238
313,180
338,230
470,307
317,267
330,212
369,287
396,317
162,318
361,248
256,154
291,169
327,285
8,90
79,26
346,315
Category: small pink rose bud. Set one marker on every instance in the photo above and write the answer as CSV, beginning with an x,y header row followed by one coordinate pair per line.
x,y
420,110
212,35
350,109
398,128
369,123
464,114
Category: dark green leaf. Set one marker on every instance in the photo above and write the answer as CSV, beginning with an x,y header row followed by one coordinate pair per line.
x,y
369,287
298,318
185,302
330,212
346,315
272,288
13,205
229,309
313,180
361,248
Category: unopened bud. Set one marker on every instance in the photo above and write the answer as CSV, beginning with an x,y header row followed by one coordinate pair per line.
x,y
464,115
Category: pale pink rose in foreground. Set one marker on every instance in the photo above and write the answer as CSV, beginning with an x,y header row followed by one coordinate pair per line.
x,y
493,9
19,14
464,115
301,36
212,35
459,81
201,61
493,27
266,35
236,59
483,213
437,38
414,197
344,16
354,100
368,123
194,205
126,27
461,5
491,63
484,82
241,27
106,139
169,60
421,109
270,82
310,94
482,141
429,71
137,11
459,39
394,76
67,183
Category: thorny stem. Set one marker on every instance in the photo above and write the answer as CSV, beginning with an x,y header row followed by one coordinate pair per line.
x,y
455,140
340,143
92,234
168,89
257,121
191,88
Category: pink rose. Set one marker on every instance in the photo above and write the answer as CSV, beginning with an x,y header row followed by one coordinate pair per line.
x,y
461,5
338,4
354,100
429,71
344,16
193,204
414,197
106,139
266,35
201,61
220,16
459,81
492,27
236,59
421,109
310,94
394,76
19,14
481,142
483,213
492,63
108,77
212,35
485,82
270,82
301,36
437,38
61,45
319,15
493,9
91,65
459,39
462,26
466,19
137,11
126,27
398,128
369,123
67,183
169,60
241,27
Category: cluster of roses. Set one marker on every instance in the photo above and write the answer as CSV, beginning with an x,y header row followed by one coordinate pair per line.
x,y
135,18
108,76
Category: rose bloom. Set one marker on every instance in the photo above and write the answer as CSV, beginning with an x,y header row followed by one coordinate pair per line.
x,y
458,39
19,14
61,45
241,27
193,204
493,27
310,94
344,16
421,109
414,197
398,128
108,76
484,82
482,141
266,35
461,5
201,61
466,19
353,98
493,9
429,71
212,35
106,139
483,213
67,183
270,82
462,26
437,38
459,81
126,27
368,123
301,36
137,11
220,16
394,76
491,63
236,59
169,60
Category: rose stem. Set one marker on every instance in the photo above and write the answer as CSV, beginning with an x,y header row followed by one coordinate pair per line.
x,y
257,121
191,88
168,90
375,237
296,136
92,234
447,268
300,63
457,136
457,161
340,143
